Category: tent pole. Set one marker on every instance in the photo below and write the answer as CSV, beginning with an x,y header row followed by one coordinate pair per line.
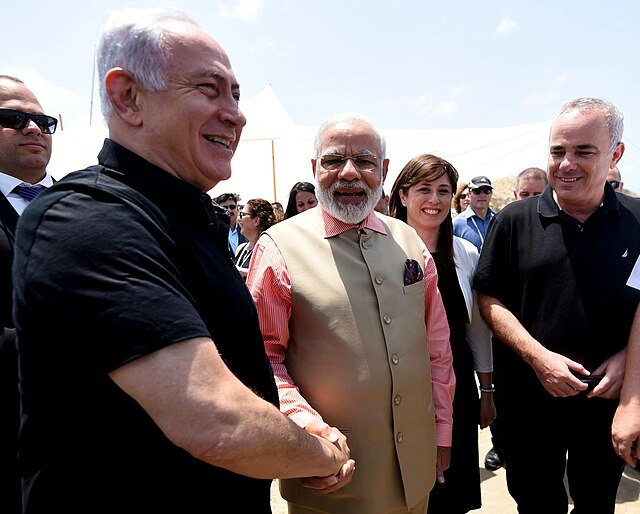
x,y
273,169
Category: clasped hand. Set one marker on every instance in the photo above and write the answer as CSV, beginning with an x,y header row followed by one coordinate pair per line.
x,y
331,483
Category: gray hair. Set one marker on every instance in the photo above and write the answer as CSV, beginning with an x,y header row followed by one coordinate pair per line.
x,y
136,41
349,118
531,174
613,117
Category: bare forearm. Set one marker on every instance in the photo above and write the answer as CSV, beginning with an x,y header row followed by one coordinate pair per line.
x,y
506,327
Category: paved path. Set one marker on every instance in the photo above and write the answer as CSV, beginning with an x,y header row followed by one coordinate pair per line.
x,y
496,499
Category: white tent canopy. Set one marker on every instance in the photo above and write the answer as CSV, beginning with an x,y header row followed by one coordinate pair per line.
x,y
275,153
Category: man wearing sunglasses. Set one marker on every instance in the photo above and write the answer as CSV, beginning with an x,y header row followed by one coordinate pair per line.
x,y
615,179
25,150
472,223
229,201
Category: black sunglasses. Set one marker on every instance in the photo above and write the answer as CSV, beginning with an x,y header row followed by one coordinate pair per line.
x,y
230,207
463,196
478,190
17,120
615,184
243,214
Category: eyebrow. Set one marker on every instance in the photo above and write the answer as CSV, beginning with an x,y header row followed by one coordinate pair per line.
x,y
216,75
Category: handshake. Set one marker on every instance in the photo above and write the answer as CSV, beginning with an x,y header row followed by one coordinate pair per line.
x,y
336,443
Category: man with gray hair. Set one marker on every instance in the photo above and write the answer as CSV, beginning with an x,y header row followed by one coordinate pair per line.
x,y
356,332
138,393
551,277
530,182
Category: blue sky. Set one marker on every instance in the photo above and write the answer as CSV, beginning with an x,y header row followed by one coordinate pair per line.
x,y
404,64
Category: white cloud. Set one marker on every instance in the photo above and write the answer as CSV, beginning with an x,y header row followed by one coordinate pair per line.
x,y
246,10
506,26
265,46
428,107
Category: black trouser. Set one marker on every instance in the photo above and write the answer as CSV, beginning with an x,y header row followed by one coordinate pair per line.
x,y
547,435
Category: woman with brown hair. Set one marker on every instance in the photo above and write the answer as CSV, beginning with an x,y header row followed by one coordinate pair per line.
x,y
254,218
461,198
421,197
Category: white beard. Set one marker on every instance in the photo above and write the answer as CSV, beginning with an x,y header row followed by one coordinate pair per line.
x,y
348,213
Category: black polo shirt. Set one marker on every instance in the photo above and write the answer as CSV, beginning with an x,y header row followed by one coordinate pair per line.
x,y
112,263
565,281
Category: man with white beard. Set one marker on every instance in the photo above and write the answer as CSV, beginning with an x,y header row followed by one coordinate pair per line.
x,y
356,332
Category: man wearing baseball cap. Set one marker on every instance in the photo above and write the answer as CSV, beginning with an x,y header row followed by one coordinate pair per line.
x,y
472,223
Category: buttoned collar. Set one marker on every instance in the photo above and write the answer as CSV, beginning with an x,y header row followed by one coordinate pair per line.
x,y
334,226
549,208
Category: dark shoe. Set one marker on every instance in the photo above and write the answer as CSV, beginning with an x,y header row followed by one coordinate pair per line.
x,y
493,460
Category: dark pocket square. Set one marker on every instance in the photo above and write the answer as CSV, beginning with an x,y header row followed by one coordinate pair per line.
x,y
412,272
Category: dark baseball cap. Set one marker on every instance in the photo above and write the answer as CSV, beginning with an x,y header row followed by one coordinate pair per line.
x,y
479,181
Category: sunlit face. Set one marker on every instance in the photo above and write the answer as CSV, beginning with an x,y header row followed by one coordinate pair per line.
x,y
614,178
428,203
350,170
530,187
25,153
248,222
480,198
305,200
579,159
232,208
464,199
194,126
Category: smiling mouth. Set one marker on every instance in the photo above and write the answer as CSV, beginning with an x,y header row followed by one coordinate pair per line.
x,y
431,211
568,180
221,141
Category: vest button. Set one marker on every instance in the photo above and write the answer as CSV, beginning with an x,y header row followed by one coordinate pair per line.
x,y
387,320
397,399
379,280
395,359
399,437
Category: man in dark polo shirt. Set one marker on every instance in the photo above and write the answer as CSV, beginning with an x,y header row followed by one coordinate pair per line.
x,y
552,276
137,393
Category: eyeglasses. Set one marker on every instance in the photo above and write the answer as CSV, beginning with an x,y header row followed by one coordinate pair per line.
x,y
478,190
615,184
232,207
17,120
463,196
337,162
243,214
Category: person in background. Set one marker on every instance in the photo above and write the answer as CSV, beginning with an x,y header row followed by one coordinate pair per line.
x,y
552,275
148,399
25,150
461,198
472,223
383,204
530,182
256,216
229,201
356,332
421,196
278,210
615,179
301,197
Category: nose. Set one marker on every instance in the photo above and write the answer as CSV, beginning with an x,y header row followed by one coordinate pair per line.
x,y
349,170
231,113
31,128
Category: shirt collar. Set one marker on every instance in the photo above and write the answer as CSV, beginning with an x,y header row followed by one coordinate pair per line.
x,y
549,208
334,226
9,182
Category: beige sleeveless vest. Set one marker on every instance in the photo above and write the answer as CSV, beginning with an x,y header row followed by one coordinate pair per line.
x,y
359,355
